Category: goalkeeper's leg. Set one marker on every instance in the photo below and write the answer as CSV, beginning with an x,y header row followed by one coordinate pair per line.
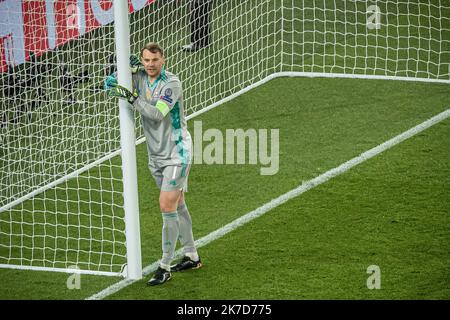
x,y
186,236
168,204
191,260
170,229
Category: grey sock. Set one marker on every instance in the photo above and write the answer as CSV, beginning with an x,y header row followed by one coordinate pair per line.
x,y
186,236
170,231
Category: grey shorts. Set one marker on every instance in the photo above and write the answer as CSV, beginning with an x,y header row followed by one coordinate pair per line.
x,y
171,178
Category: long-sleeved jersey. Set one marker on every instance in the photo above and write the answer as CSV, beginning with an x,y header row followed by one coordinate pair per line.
x,y
162,112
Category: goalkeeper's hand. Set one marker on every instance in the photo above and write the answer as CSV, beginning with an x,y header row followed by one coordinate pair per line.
x,y
123,93
135,64
110,82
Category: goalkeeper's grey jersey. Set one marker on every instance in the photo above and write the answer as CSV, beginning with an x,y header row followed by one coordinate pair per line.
x,y
168,140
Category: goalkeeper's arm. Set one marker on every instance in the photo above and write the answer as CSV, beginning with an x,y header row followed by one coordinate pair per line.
x,y
155,112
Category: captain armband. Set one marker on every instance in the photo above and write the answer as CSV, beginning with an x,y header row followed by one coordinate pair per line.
x,y
162,107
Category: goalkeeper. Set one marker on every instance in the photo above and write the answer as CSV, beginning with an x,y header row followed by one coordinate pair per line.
x,y
157,95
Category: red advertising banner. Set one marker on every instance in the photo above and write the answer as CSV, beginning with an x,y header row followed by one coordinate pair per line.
x,y
38,26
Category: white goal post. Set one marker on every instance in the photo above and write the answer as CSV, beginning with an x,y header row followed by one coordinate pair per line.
x,y
66,149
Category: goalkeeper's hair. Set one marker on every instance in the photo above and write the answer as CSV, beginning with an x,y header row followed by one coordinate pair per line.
x,y
153,48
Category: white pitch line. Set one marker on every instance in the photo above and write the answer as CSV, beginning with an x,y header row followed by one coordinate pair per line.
x,y
286,197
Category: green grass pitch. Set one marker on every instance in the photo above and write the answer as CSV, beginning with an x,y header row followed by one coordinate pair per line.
x,y
390,211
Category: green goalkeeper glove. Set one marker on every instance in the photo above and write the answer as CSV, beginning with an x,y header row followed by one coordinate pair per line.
x,y
110,82
135,64
123,93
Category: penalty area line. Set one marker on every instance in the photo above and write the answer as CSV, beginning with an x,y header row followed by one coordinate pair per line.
x,y
284,198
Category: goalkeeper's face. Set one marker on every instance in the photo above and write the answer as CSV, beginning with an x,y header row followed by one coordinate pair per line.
x,y
153,63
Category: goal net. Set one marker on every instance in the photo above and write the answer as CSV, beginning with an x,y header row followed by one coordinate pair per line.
x,y
401,39
61,204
